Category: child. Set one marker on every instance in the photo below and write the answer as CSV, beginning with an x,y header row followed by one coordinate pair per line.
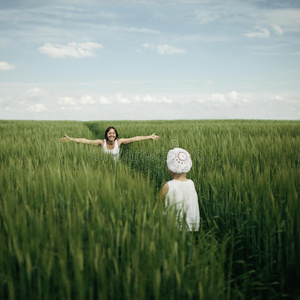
x,y
180,192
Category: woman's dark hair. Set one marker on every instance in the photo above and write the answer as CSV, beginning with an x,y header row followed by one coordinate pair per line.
x,y
108,129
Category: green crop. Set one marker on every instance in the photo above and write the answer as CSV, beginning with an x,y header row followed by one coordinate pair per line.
x,y
76,225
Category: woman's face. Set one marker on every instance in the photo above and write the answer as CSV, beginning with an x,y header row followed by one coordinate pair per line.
x,y
111,135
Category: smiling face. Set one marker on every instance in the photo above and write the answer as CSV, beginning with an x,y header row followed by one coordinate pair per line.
x,y
111,134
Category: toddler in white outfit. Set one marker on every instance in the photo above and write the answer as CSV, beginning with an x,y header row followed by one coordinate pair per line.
x,y
180,193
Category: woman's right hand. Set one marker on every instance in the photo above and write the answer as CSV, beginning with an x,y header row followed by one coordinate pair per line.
x,y
154,137
65,139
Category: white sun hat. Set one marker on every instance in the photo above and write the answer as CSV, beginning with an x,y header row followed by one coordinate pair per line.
x,y
179,161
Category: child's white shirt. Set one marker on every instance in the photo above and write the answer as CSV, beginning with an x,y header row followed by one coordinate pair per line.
x,y
182,195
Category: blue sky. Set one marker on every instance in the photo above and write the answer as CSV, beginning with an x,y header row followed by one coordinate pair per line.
x,y
149,59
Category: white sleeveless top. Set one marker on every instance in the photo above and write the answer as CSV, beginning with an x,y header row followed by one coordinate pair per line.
x,y
182,195
115,152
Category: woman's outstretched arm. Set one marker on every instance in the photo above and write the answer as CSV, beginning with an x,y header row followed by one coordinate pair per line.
x,y
138,139
82,140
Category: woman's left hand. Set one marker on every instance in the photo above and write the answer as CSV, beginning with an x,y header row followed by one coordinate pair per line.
x,y
65,139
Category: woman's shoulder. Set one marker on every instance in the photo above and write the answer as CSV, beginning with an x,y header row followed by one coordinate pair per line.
x,y
119,142
98,142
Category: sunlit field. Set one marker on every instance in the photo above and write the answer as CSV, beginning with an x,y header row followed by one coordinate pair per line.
x,y
76,225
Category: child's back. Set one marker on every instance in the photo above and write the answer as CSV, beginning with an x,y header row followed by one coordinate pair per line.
x,y
182,195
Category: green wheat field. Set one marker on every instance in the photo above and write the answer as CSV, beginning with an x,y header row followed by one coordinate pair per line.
x,y
76,225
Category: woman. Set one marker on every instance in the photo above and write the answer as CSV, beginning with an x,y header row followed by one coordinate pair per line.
x,y
111,144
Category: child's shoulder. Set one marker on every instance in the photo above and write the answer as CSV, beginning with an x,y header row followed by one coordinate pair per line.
x,y
164,191
180,182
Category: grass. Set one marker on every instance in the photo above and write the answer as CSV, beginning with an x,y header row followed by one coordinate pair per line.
x,y
75,225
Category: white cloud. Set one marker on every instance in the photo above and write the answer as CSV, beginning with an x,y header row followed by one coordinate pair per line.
x,y
233,96
152,99
218,98
36,93
264,32
3,108
278,30
260,33
36,108
66,101
70,103
121,99
6,108
164,49
226,99
167,49
137,99
141,30
287,18
278,98
4,66
142,99
76,50
206,17
87,99
146,45
104,100
76,108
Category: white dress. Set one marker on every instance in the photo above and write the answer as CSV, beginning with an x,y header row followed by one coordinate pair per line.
x,y
183,197
114,152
